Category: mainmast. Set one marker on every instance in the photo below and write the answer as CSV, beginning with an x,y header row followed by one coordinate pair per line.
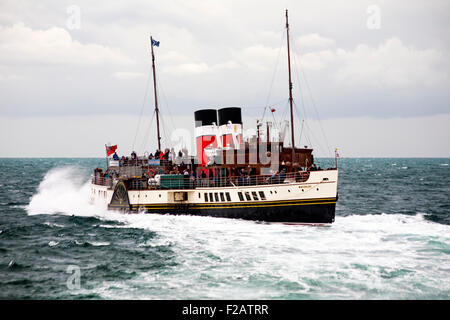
x,y
290,92
156,97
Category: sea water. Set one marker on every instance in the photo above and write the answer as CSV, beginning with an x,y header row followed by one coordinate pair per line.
x,y
390,240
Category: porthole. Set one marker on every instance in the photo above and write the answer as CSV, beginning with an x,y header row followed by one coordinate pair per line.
x,y
160,196
317,189
289,190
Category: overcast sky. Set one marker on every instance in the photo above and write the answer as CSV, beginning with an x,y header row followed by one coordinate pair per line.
x,y
74,74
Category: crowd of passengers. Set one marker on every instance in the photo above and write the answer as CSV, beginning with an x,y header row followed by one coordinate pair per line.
x,y
168,156
207,177
230,177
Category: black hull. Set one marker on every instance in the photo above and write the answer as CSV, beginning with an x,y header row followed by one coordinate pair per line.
x,y
317,213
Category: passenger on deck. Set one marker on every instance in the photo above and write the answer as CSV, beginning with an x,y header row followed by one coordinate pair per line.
x,y
241,179
133,156
115,156
171,156
166,154
282,175
191,179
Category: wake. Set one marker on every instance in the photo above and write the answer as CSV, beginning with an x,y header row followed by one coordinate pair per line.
x,y
66,190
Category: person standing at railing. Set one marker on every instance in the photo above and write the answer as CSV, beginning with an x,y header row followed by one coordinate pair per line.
x,y
186,178
166,154
283,175
203,178
252,175
171,156
241,179
192,179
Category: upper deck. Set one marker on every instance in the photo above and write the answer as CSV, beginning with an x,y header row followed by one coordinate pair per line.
x,y
137,178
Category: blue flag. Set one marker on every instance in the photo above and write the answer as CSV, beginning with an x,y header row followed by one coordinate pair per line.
x,y
155,43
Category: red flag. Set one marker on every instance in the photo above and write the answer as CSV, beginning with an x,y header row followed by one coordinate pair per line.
x,y
110,150
272,110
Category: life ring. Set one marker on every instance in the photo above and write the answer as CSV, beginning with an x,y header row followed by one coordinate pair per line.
x,y
150,171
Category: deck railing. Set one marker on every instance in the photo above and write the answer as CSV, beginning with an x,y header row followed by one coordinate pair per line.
x,y
190,182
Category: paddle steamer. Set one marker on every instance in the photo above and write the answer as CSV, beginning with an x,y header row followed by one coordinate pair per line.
x,y
257,178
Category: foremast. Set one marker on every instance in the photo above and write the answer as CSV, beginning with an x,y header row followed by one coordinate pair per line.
x,y
156,96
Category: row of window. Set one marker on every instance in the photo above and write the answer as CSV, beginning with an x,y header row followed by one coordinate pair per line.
x,y
220,196
214,196
254,195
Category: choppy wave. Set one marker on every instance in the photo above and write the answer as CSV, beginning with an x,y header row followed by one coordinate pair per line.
x,y
63,190
370,256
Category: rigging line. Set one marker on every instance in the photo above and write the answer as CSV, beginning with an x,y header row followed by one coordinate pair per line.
x,y
247,107
315,108
274,73
304,120
283,116
274,120
142,107
303,105
147,133
307,127
319,145
305,116
301,132
167,103
274,104
165,133
318,117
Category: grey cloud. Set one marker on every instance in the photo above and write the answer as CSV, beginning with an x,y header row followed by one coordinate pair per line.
x,y
225,53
